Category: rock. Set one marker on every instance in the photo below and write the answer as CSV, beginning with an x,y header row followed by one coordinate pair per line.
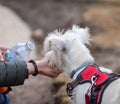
x,y
107,19
12,28
109,1
37,35
36,90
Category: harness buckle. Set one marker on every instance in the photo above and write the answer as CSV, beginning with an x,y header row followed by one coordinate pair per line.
x,y
93,83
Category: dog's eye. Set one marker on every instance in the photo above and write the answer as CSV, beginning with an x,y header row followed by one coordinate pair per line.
x,y
64,49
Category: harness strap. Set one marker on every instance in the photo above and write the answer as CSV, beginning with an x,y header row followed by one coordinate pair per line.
x,y
72,85
80,67
97,91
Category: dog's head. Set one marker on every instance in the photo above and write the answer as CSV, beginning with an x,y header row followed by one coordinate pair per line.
x,y
66,51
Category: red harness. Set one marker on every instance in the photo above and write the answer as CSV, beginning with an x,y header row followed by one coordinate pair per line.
x,y
99,81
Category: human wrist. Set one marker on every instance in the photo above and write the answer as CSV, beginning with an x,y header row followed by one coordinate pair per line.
x,y
35,67
30,68
41,66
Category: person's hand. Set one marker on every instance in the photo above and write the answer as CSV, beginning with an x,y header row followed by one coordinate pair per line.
x,y
43,69
2,53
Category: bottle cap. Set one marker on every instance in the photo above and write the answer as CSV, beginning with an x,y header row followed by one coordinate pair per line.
x,y
30,45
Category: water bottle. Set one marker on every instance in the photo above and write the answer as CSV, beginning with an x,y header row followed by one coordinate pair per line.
x,y
19,51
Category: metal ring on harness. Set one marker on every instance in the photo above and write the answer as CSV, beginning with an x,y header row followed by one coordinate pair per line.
x,y
69,89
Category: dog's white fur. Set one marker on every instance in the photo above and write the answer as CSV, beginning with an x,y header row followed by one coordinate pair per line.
x,y
67,51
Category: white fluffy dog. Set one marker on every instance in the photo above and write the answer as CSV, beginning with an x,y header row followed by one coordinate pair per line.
x,y
66,51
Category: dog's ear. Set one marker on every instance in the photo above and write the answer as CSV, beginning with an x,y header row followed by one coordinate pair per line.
x,y
83,33
55,43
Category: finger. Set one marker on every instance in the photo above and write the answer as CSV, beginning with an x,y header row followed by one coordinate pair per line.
x,y
51,74
54,75
56,71
3,49
1,59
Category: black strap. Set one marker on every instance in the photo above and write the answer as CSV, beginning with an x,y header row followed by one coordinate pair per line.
x,y
35,66
101,88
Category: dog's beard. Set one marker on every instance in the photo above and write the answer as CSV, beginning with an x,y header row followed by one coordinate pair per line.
x,y
53,60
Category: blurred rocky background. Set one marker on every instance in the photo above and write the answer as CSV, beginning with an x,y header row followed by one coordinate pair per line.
x,y
22,20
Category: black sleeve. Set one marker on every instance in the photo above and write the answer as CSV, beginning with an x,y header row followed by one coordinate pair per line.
x,y
12,73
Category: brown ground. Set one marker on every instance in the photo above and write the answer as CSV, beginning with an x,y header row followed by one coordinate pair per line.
x,y
104,22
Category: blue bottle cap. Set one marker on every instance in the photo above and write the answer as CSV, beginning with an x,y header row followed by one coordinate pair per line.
x,y
30,45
